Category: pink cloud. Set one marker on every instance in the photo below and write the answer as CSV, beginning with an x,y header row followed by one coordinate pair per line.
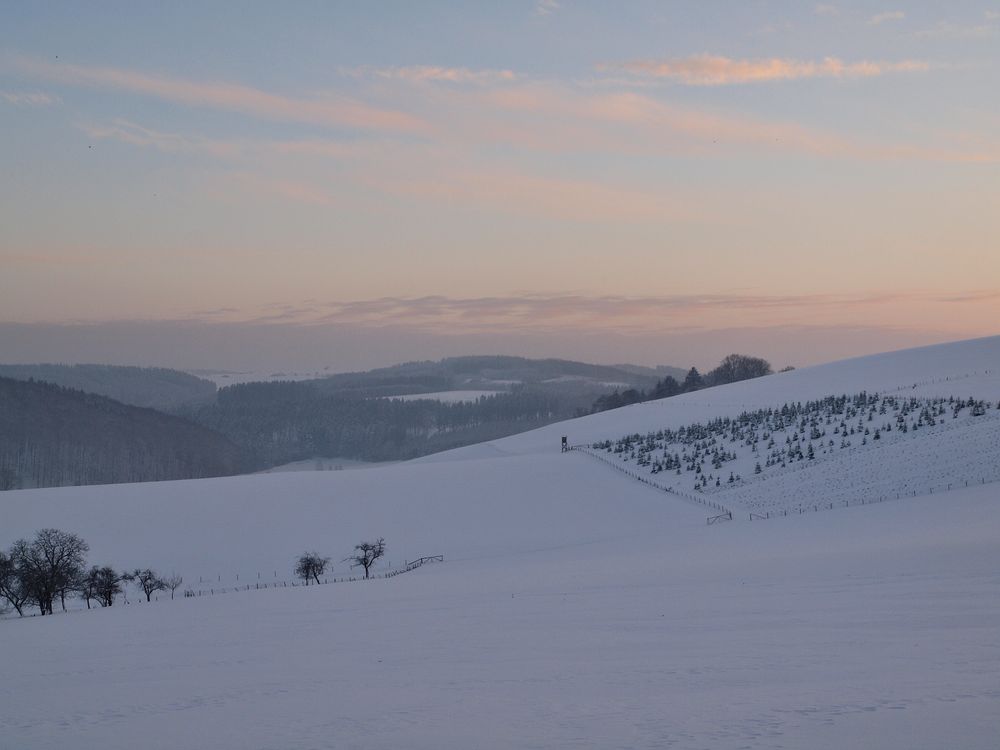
x,y
711,70
562,119
629,315
535,116
332,112
139,135
552,118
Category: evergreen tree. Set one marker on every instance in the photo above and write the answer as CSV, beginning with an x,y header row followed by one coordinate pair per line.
x,y
692,381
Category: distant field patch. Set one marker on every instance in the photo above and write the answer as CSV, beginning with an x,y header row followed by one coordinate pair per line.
x,y
448,397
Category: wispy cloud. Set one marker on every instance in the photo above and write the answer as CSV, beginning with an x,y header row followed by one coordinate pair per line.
x,y
28,98
547,7
450,166
630,122
622,314
134,134
983,295
339,112
433,73
825,9
712,70
885,17
137,135
214,312
542,311
949,30
649,125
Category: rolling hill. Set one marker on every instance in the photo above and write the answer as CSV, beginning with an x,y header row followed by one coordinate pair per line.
x,y
575,607
53,436
150,387
408,410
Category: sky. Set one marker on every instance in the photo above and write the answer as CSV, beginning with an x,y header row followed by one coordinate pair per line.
x,y
347,185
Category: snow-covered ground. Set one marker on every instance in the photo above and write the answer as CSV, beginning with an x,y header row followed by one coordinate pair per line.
x,y
824,454
447,397
575,607
965,368
320,463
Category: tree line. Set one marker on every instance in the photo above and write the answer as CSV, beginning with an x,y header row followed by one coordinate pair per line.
x,y
732,369
53,566
280,422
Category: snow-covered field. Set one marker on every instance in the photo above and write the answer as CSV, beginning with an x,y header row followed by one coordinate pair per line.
x,y
447,397
575,607
320,463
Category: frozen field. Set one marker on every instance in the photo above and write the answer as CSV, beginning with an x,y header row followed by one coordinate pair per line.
x,y
576,608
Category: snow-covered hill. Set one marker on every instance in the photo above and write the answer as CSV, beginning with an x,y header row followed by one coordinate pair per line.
x,y
575,607
824,453
964,368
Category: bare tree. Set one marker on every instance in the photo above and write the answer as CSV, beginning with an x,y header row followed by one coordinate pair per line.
x,y
88,585
366,553
146,580
737,367
108,585
311,566
173,583
49,566
100,584
11,585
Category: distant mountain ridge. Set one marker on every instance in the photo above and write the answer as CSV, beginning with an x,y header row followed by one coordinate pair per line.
x,y
494,371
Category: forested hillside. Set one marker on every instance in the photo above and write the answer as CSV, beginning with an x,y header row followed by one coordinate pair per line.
x,y
490,372
56,436
153,387
732,369
53,436
281,422
356,415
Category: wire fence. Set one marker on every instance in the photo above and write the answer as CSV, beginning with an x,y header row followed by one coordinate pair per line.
x,y
723,513
874,500
260,585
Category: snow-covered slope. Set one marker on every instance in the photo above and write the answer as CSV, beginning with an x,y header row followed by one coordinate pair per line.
x,y
575,607
214,530
964,368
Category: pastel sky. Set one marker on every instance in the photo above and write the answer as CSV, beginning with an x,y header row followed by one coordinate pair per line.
x,y
659,182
